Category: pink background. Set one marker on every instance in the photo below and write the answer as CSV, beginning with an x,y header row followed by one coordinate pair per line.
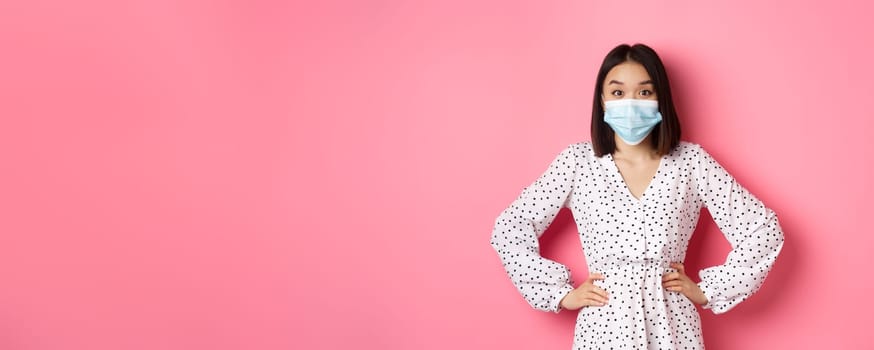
x,y
325,175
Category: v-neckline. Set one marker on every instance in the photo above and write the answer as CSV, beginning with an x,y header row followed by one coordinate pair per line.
x,y
624,185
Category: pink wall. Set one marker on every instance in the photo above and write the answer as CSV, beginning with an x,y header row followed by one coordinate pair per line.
x,y
318,175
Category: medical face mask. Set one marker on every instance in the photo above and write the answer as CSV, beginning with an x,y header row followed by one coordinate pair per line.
x,y
632,119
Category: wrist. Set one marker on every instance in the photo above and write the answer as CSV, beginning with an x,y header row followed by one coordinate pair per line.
x,y
562,297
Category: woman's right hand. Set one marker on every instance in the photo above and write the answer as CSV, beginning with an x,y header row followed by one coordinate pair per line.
x,y
587,294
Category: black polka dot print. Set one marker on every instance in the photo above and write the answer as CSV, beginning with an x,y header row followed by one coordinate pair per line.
x,y
632,241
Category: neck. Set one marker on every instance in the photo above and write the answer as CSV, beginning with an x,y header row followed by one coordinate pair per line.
x,y
642,150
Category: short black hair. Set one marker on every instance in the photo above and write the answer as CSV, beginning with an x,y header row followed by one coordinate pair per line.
x,y
666,134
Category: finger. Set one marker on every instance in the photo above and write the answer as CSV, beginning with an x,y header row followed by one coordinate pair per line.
x,y
675,283
591,288
681,278
595,276
598,291
594,302
670,276
675,288
679,267
596,297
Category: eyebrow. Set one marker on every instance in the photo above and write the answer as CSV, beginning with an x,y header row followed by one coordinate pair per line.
x,y
621,83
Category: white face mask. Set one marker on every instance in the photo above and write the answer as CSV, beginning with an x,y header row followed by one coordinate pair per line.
x,y
632,119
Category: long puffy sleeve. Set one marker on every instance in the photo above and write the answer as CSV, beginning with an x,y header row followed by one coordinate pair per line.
x,y
751,228
542,282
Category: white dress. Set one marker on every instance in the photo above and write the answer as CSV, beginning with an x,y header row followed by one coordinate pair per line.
x,y
632,241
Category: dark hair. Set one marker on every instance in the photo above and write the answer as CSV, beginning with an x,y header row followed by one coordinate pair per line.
x,y
666,135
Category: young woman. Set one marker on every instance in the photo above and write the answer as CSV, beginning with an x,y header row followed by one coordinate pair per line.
x,y
636,192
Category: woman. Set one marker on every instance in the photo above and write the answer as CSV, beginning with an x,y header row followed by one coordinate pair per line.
x,y
636,192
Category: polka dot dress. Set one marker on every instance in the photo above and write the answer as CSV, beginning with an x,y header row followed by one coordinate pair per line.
x,y
632,241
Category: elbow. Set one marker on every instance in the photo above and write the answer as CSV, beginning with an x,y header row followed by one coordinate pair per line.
x,y
497,233
774,233
779,236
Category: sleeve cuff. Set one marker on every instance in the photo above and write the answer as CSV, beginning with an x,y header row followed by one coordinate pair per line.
x,y
555,305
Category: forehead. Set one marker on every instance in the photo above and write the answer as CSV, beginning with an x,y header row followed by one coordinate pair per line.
x,y
628,72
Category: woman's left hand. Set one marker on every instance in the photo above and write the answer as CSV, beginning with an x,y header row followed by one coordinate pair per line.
x,y
679,282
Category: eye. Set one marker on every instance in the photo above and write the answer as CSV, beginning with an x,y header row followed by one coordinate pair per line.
x,y
646,93
616,93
